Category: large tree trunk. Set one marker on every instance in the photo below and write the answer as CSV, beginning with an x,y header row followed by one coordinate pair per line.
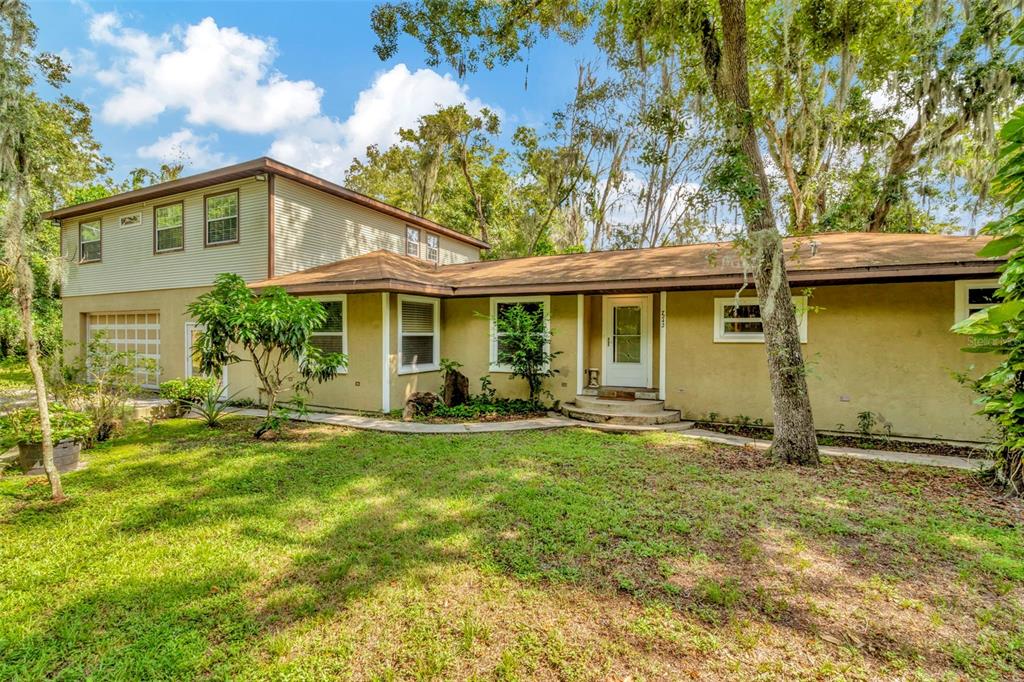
x,y
794,439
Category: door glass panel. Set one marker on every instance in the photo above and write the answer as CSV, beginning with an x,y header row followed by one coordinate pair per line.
x,y
626,334
193,336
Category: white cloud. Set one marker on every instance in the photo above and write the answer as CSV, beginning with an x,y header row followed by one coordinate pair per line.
x,y
184,146
217,76
395,99
220,77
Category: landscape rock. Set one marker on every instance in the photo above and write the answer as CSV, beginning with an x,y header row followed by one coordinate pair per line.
x,y
419,404
456,388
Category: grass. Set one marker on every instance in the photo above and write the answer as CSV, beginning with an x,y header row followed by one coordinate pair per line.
x,y
187,553
14,375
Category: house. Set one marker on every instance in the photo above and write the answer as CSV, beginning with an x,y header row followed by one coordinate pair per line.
x,y
678,325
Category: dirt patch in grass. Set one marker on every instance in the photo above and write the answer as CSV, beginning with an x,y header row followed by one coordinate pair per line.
x,y
856,441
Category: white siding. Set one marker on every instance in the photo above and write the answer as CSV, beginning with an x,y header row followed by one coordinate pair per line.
x,y
129,263
313,228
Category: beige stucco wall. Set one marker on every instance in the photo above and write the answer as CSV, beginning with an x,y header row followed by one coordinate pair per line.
x,y
357,389
313,228
883,348
466,339
594,346
129,264
170,303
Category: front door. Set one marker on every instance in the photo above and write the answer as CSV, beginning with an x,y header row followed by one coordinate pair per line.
x,y
627,341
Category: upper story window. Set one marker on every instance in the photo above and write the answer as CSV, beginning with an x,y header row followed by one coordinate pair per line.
x,y
412,241
419,337
331,337
222,218
433,248
90,241
974,295
169,227
738,319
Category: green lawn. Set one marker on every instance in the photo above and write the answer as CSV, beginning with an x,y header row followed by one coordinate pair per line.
x,y
14,375
188,553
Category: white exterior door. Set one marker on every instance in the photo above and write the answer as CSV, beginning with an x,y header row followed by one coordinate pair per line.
x,y
627,341
133,331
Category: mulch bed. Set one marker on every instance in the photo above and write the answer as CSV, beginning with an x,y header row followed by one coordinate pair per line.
x,y
857,441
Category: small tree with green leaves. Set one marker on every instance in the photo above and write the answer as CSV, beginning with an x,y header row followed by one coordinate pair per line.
x,y
524,345
274,328
1000,328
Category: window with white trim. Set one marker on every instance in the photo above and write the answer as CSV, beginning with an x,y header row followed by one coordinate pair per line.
x,y
90,245
222,218
419,336
169,227
500,305
973,295
433,248
331,336
738,319
412,241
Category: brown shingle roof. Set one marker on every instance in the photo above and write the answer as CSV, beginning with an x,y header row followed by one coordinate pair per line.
x,y
823,258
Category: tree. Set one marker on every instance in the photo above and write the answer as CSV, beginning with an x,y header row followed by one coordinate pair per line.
x,y
999,328
44,147
477,32
861,101
273,327
524,345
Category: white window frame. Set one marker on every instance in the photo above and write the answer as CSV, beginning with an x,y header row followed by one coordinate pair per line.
x,y
157,229
721,336
436,257
545,301
207,219
130,220
436,364
961,306
409,230
341,369
81,251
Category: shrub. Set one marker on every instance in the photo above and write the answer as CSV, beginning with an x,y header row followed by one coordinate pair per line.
x,y
100,384
185,393
22,426
481,407
524,345
212,406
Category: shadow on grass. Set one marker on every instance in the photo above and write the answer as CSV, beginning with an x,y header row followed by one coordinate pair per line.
x,y
312,523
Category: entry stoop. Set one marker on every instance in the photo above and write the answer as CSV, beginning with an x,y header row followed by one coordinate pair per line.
x,y
639,412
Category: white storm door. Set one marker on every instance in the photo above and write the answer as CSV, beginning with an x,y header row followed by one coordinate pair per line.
x,y
627,341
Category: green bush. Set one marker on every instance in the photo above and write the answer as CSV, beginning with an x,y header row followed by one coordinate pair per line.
x,y
22,426
188,392
480,406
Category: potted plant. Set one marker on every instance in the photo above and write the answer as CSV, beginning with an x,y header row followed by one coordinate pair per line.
x,y
70,429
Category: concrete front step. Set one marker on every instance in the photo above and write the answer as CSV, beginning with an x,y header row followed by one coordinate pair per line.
x,y
620,393
597,416
610,405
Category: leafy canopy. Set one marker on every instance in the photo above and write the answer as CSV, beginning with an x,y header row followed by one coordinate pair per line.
x,y
999,329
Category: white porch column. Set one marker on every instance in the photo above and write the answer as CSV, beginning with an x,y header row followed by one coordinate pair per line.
x,y
662,344
579,344
385,347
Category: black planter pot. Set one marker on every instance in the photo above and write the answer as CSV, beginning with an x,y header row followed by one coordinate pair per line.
x,y
65,455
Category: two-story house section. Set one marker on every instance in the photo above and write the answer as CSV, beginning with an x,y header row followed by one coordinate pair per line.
x,y
137,259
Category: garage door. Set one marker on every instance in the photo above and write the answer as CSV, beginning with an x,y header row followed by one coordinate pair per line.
x,y
137,331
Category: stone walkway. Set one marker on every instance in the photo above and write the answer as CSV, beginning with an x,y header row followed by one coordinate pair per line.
x,y
554,421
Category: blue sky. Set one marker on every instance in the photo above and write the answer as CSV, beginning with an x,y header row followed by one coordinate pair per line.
x,y
217,82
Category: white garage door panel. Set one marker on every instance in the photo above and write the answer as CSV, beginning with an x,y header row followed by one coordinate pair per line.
x,y
137,331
